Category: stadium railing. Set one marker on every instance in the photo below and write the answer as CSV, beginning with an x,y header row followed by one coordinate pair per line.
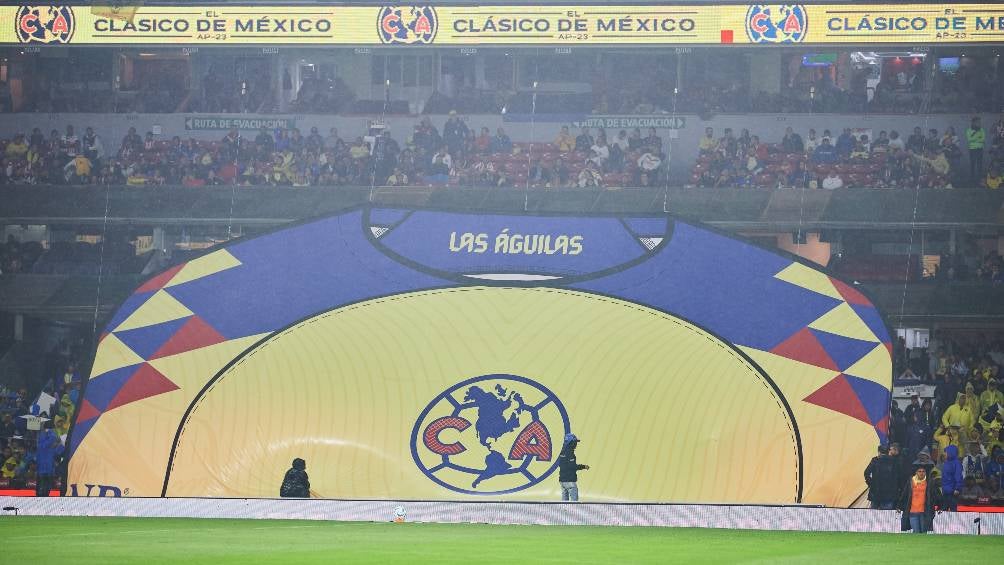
x,y
745,209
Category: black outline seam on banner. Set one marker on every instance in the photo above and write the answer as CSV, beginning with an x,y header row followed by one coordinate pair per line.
x,y
778,395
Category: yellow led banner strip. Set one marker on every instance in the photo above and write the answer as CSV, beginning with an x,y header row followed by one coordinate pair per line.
x,y
504,25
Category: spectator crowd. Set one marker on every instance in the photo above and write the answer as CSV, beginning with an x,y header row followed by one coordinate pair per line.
x,y
824,161
458,155
33,431
958,433
285,157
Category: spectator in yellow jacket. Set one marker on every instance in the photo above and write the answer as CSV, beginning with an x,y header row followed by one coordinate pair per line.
x,y
17,148
995,178
986,369
992,423
9,469
708,143
958,414
992,395
565,142
973,402
78,169
937,161
946,436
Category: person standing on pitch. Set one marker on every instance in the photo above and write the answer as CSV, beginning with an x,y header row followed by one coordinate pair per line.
x,y
296,484
49,449
568,470
882,478
918,500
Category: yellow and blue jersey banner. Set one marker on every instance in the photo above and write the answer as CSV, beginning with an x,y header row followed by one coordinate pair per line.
x,y
415,354
558,25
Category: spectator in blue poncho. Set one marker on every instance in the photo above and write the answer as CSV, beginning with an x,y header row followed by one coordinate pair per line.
x,y
49,449
951,479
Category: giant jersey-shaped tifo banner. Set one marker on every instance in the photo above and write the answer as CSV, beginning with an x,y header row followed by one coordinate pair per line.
x,y
415,354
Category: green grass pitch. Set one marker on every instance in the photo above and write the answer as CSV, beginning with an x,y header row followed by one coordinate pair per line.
x,y
148,541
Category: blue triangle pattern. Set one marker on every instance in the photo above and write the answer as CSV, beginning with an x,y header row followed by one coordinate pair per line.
x,y
723,285
871,317
126,309
845,351
873,396
80,430
103,388
147,340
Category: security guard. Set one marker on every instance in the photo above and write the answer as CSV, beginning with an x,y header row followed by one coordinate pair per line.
x,y
976,138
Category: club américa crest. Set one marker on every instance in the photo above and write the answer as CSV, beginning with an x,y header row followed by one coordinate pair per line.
x,y
776,23
44,24
407,24
490,435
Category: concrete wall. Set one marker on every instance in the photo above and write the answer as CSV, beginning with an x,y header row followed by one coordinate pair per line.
x,y
765,71
770,127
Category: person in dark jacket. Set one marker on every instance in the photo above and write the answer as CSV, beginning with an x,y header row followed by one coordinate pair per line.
x,y
944,394
918,433
454,133
296,483
919,498
928,415
951,479
49,448
902,465
568,470
881,477
897,424
913,407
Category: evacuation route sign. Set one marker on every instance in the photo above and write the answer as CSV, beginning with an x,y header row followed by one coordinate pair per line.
x,y
206,123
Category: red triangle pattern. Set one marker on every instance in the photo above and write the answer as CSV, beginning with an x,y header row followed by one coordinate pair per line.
x,y
158,282
883,425
837,395
850,294
144,383
195,333
803,346
87,411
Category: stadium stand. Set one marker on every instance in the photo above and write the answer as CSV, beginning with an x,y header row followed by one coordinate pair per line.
x,y
851,82
458,156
